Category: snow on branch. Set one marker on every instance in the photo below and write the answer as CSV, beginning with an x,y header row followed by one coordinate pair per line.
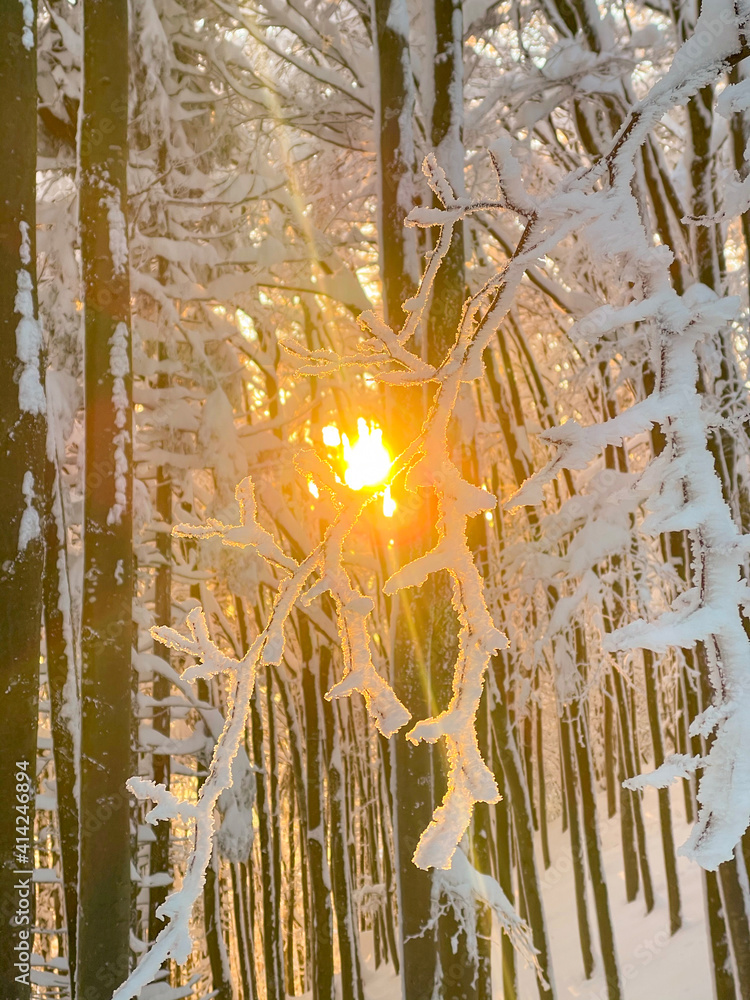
x,y
681,487
675,324
677,765
247,532
352,610
469,778
174,940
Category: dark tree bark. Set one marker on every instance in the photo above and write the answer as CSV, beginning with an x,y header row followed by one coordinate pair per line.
x,y
244,951
212,930
214,935
320,881
503,856
609,748
106,631
542,783
22,443
396,161
626,736
272,788
298,823
412,765
481,849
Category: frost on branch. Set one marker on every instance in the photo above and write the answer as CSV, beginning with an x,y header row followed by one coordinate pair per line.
x,y
352,609
247,532
428,465
683,493
469,778
174,940
677,765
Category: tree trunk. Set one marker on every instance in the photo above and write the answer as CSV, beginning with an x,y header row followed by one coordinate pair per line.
x,y
665,812
300,796
290,901
609,748
320,879
218,959
384,785
736,917
504,855
412,765
343,902
106,629
212,930
244,951
542,784
481,858
631,767
274,819
22,444
594,856
527,869
576,844
274,969
719,938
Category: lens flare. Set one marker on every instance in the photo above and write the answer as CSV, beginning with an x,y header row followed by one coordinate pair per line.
x,y
367,461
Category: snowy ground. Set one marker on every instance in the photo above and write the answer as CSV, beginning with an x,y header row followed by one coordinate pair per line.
x,y
654,965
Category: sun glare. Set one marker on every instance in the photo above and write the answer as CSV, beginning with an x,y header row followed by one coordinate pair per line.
x,y
389,504
367,461
331,436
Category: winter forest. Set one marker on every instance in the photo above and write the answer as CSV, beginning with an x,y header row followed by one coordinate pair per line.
x,y
375,491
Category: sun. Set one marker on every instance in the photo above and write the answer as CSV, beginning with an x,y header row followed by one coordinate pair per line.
x,y
367,461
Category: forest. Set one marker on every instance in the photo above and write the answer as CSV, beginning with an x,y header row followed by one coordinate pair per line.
x,y
375,477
